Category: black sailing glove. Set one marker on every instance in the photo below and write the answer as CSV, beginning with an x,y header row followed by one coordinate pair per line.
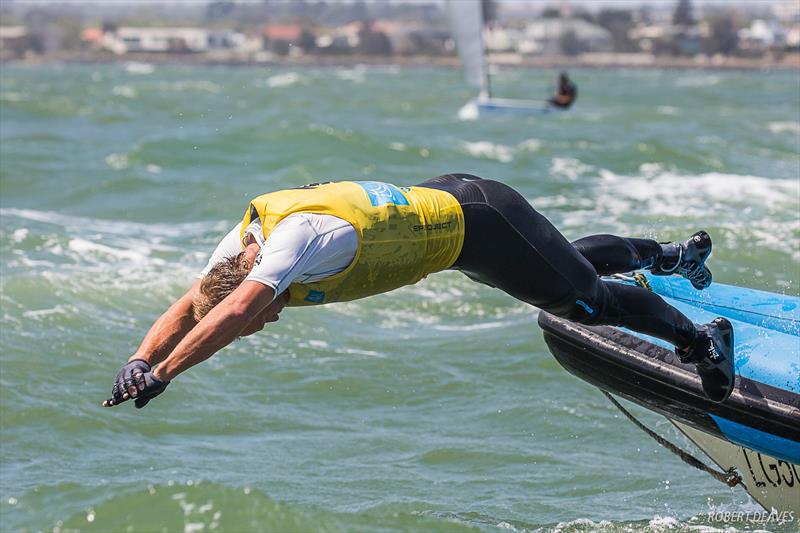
x,y
135,380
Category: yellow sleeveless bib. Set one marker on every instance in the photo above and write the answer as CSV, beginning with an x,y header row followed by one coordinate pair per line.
x,y
404,234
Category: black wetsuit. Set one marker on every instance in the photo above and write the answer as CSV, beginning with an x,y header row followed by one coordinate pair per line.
x,y
510,246
565,89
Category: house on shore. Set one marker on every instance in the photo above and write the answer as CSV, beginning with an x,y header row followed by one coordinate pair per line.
x,y
127,39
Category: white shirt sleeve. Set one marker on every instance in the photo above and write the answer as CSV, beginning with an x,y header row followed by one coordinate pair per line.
x,y
304,247
229,246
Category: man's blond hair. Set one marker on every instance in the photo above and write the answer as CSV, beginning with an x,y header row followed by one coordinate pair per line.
x,y
220,281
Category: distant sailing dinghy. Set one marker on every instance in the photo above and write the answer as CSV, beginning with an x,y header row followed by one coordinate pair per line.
x,y
466,26
753,436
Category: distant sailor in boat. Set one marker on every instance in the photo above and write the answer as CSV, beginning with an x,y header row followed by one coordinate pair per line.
x,y
566,92
341,241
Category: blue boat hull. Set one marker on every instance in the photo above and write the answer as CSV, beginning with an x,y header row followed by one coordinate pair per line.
x,y
762,414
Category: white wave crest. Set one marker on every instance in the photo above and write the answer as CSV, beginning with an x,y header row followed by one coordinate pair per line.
x,y
78,253
567,167
124,91
488,150
96,251
285,80
113,227
650,170
19,235
530,145
135,67
58,310
398,147
470,327
583,524
469,111
784,127
666,192
117,161
356,74
758,209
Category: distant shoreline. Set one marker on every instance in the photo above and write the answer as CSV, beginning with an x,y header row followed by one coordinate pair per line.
x,y
633,61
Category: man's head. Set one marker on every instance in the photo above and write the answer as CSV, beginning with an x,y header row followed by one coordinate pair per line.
x,y
224,278
220,281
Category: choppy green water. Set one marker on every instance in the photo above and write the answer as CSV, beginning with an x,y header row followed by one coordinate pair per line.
x,y
436,407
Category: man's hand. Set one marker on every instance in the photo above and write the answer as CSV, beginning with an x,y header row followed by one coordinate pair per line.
x,y
135,380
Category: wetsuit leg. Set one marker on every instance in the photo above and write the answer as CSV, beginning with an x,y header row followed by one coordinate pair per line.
x,y
509,245
610,254
641,310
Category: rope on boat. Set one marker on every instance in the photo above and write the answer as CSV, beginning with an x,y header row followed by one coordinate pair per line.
x,y
730,476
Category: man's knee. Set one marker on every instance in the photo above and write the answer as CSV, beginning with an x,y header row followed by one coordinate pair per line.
x,y
589,305
579,308
585,311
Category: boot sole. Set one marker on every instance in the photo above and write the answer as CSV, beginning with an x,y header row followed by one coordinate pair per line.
x,y
727,367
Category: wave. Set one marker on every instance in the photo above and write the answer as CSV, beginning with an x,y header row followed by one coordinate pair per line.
x,y
488,150
77,253
744,518
285,80
469,111
11,96
568,167
665,192
195,506
716,200
784,127
124,91
530,145
117,161
111,226
139,68
506,154
667,110
698,80
356,74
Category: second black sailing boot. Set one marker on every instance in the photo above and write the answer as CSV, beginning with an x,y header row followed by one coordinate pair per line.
x,y
687,258
712,354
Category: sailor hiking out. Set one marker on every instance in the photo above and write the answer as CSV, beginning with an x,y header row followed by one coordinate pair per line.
x,y
566,92
342,241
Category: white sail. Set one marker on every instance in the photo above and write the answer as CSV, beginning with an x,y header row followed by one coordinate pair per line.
x,y
466,26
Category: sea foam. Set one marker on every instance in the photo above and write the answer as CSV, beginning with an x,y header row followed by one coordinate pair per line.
x,y
784,127
285,80
488,150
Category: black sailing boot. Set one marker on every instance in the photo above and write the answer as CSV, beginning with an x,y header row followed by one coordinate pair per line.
x,y
687,259
712,353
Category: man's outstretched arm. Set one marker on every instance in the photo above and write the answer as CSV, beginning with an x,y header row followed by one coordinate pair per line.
x,y
233,317
244,311
178,320
168,330
165,333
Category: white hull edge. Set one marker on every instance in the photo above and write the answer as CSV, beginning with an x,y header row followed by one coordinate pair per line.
x,y
773,483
